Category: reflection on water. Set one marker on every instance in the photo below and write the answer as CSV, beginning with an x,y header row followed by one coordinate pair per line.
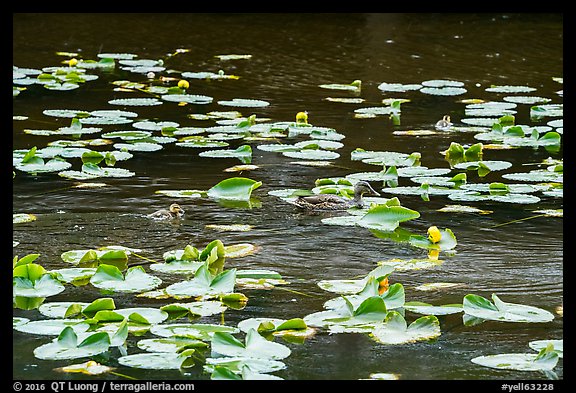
x,y
292,55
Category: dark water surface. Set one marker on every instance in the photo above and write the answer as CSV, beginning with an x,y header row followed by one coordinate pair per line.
x,y
291,55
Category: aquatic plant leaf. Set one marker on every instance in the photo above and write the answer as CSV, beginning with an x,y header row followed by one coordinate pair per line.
x,y
53,165
188,98
386,218
52,327
155,360
236,364
201,308
66,347
170,344
393,297
235,188
135,102
394,329
30,280
204,283
110,278
480,307
255,346
558,346
399,87
244,102
546,359
243,153
443,91
127,135
352,286
429,309
200,331
509,89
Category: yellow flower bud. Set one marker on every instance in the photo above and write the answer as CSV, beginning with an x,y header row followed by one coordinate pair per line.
x,y
72,62
434,234
302,118
183,84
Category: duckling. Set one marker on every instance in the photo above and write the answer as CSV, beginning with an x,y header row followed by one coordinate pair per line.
x,y
335,202
443,124
174,211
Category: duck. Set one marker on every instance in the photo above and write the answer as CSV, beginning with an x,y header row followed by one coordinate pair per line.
x,y
443,124
174,211
335,202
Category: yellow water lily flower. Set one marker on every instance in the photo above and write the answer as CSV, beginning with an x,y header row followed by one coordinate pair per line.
x,y
183,84
72,62
302,118
433,254
383,286
434,234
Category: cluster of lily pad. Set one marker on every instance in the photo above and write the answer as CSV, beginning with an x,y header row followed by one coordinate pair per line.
x,y
369,305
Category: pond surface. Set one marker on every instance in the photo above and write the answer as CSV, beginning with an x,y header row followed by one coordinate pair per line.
x,y
291,55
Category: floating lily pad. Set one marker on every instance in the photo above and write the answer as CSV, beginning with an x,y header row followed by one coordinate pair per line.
x,y
479,307
545,360
200,331
312,154
154,360
110,278
539,345
429,309
352,286
255,346
411,264
278,327
67,346
204,283
200,308
530,100
443,91
463,209
236,364
127,135
395,330
244,103
349,319
509,89
230,227
135,102
235,188
399,87
433,286
170,344
188,98
52,327
243,153
182,193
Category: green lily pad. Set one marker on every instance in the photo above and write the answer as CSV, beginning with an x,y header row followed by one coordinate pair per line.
x,y
546,359
31,281
255,346
52,327
67,346
236,364
53,165
110,278
127,135
200,331
155,360
394,296
480,307
138,146
244,103
429,309
188,98
243,153
278,327
201,308
204,283
170,344
443,91
349,318
235,188
386,218
509,89
135,102
539,345
530,100
399,87
411,264
312,154
447,242
352,286
395,330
